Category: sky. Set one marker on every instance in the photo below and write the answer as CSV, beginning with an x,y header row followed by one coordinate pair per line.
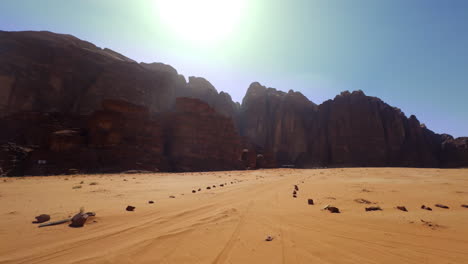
x,y
413,54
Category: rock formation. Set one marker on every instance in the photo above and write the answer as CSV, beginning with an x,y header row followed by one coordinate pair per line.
x,y
67,105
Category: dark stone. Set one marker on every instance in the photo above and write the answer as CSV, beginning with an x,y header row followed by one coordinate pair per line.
x,y
310,201
79,220
193,191
333,209
130,208
442,206
151,202
373,208
402,208
42,218
426,208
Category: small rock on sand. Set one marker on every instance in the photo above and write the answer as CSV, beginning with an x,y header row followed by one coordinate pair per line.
x,y
373,208
193,191
333,209
79,220
310,201
42,218
151,202
464,205
442,206
199,189
426,208
208,187
269,238
402,208
130,208
172,196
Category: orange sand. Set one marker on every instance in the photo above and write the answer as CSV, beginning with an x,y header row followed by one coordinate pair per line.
x,y
229,224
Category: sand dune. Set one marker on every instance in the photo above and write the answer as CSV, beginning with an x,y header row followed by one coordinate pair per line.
x,y
229,224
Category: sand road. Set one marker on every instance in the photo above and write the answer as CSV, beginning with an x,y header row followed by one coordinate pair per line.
x,y
229,224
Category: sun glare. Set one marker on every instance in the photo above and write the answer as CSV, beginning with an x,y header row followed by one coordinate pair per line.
x,y
201,21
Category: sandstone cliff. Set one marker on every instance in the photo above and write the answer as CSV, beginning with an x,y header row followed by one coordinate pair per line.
x,y
67,105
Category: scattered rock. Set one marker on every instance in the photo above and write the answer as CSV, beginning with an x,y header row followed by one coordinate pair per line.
x,y
94,183
79,219
332,209
130,208
199,189
464,205
269,238
294,195
42,218
362,201
222,185
296,188
208,188
402,208
426,208
442,206
172,196
214,186
151,202
310,201
193,191
77,187
294,192
373,208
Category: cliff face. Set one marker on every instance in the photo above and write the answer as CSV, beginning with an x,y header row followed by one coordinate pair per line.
x,y
358,130
277,122
66,104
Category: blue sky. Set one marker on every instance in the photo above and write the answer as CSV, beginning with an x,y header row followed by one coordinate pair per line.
x,y
413,54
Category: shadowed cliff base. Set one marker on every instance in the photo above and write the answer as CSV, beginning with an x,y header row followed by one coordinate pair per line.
x,y
67,106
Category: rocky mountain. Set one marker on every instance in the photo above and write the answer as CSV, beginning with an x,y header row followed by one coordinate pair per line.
x,y
67,105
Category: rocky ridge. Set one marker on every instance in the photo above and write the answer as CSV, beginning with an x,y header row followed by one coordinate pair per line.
x,y
68,105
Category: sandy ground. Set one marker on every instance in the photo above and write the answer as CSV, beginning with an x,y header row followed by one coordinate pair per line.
x,y
229,224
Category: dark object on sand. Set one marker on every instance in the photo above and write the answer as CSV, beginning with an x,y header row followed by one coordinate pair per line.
x,y
362,201
214,186
442,206
151,202
222,185
41,218
199,189
373,208
402,208
172,196
332,209
269,238
130,208
294,192
310,201
63,221
208,187
79,220
294,195
426,208
193,191
56,222
296,188
464,205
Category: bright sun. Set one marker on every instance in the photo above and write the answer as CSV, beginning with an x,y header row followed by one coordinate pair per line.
x,y
201,21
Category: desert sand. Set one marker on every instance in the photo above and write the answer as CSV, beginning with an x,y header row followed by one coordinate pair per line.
x,y
229,224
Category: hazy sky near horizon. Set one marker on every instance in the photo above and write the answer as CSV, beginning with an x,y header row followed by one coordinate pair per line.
x,y
413,54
